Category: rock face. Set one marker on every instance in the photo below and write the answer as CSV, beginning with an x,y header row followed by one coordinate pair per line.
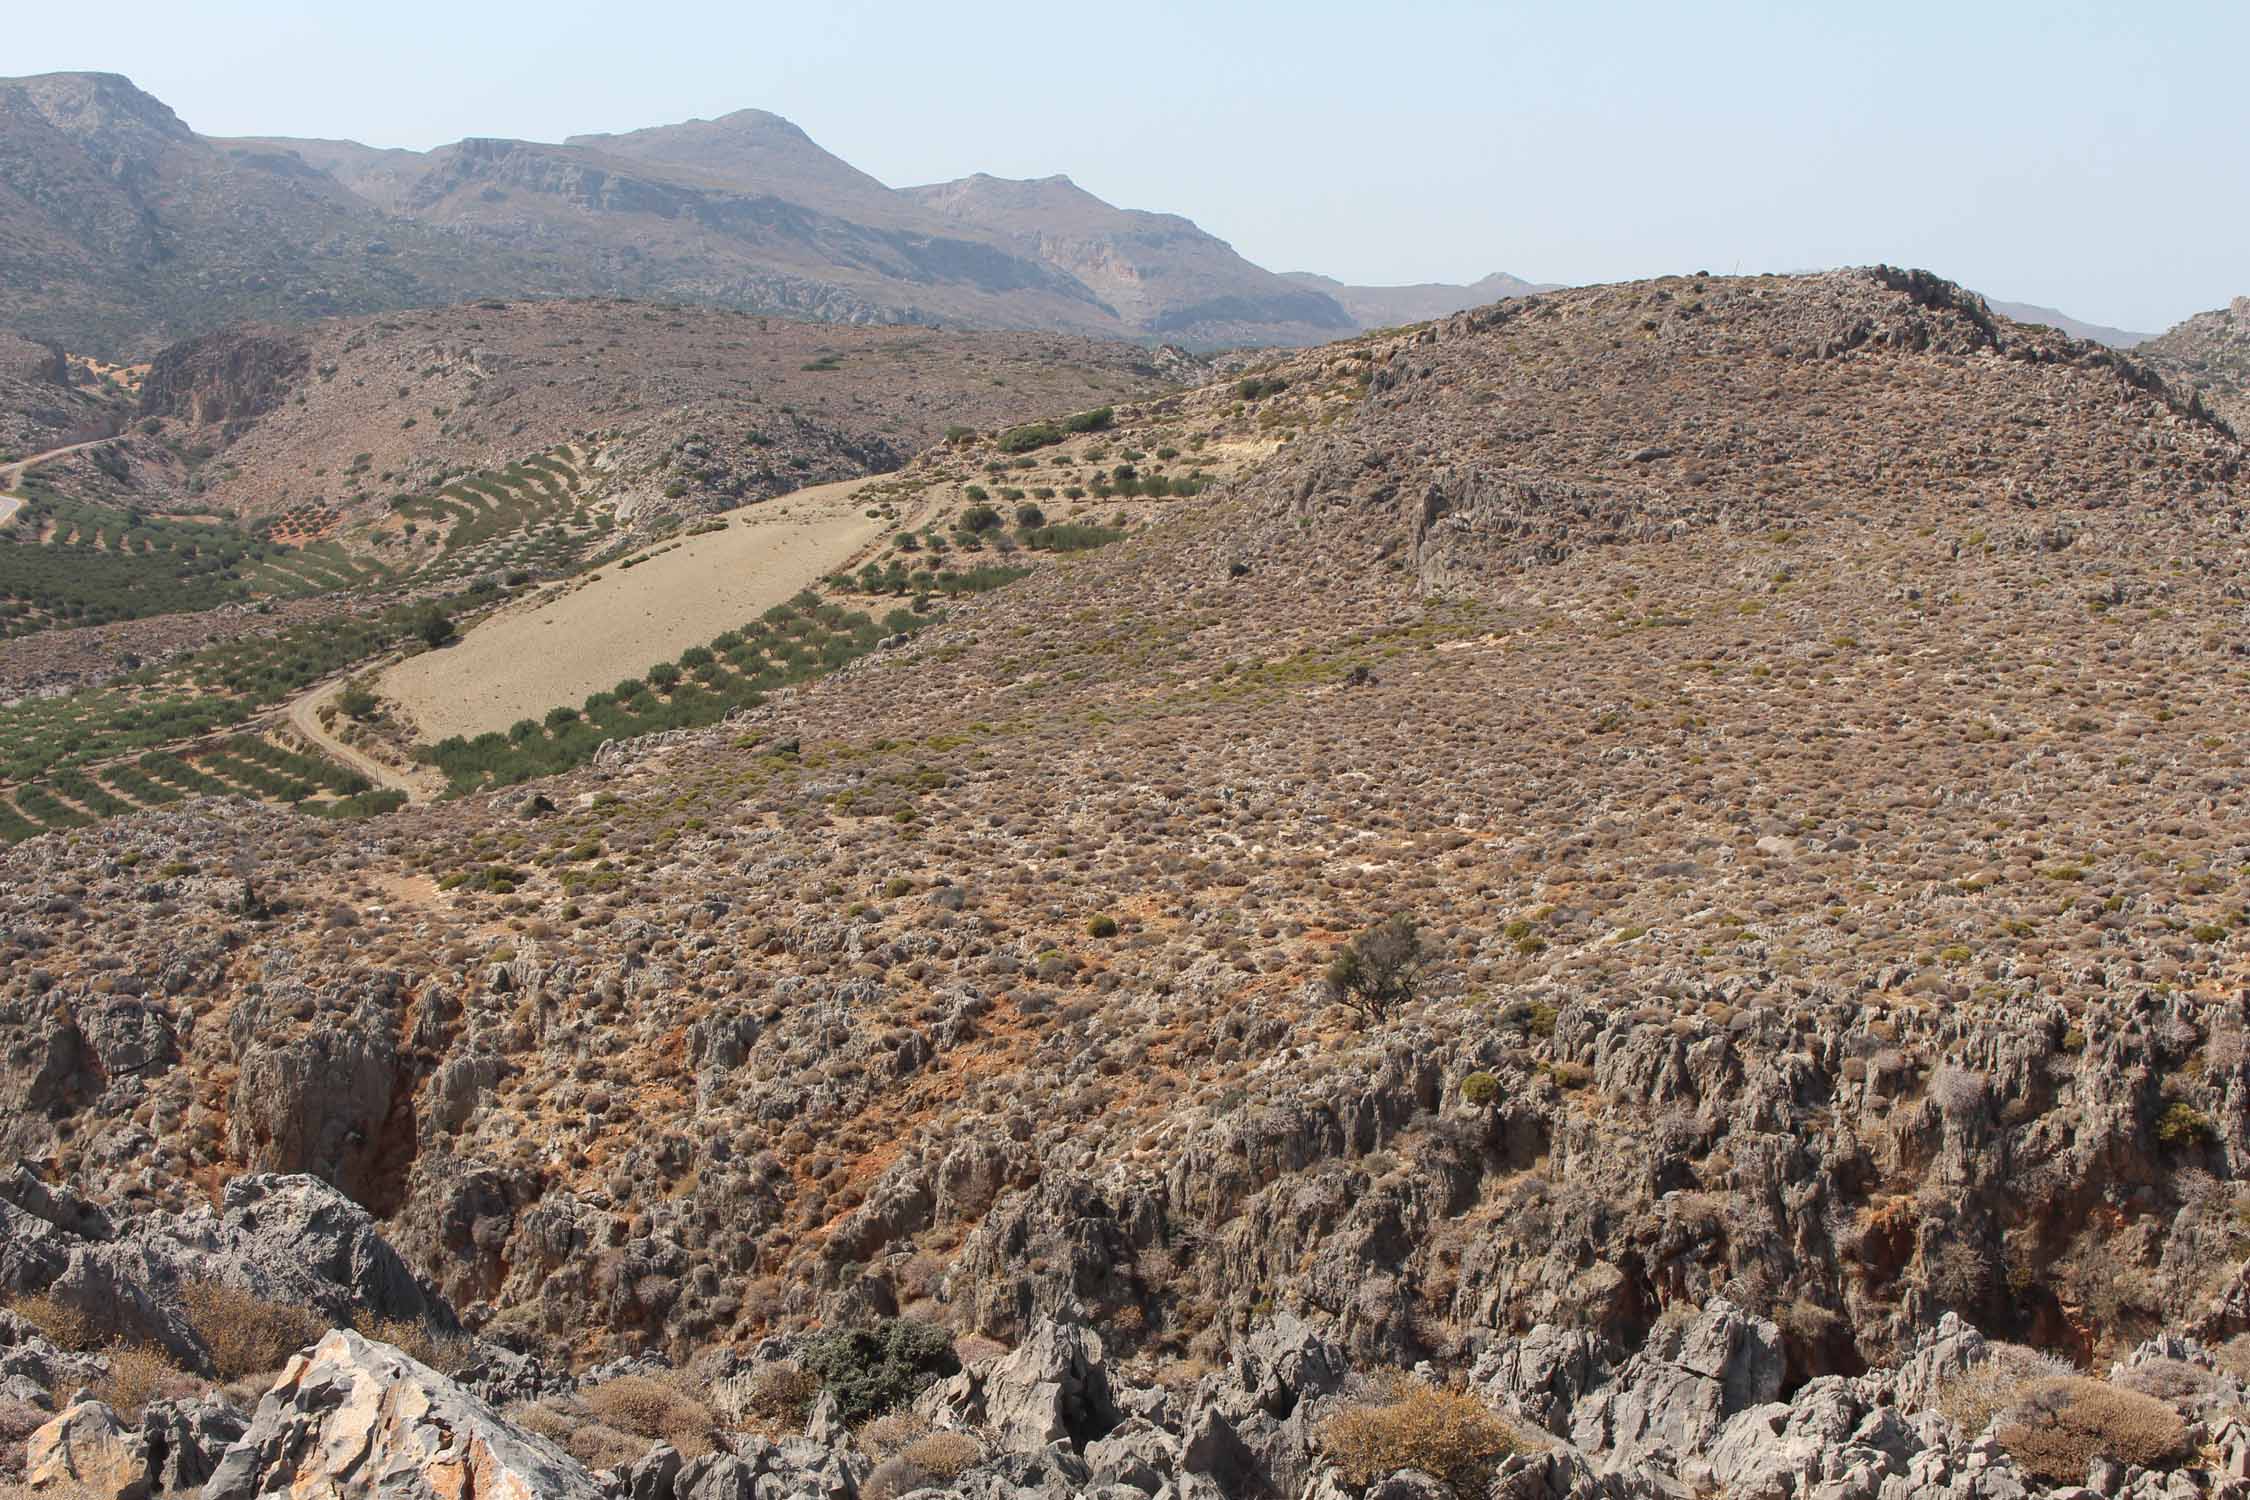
x,y
89,1447
357,1418
289,1240
1673,1396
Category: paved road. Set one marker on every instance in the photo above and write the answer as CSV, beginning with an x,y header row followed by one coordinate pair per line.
x,y
304,717
11,475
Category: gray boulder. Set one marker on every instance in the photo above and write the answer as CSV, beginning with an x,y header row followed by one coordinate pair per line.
x,y
1050,1389
1137,1453
293,1239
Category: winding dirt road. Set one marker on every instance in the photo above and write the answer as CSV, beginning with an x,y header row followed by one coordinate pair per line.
x,y
304,717
11,475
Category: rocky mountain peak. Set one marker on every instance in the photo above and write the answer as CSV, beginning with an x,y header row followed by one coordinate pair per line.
x,y
95,106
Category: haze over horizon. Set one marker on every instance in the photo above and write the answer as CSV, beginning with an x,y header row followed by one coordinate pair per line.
x,y
2063,155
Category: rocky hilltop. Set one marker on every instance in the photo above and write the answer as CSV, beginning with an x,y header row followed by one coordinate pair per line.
x,y
2212,350
1654,903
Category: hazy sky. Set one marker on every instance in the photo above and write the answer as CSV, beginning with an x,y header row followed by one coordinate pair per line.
x,y
2088,156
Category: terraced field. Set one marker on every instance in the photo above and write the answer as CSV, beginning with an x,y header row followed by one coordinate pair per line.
x,y
565,645
198,725
530,517
67,562
247,765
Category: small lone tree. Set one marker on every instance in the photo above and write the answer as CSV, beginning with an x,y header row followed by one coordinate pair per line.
x,y
1379,969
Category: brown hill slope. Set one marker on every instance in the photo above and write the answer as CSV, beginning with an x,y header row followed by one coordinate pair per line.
x,y
716,406
1798,712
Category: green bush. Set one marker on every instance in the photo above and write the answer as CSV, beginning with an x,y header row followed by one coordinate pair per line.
x,y
2184,1126
1104,926
1069,537
1097,420
1032,435
1380,969
1479,1090
871,1370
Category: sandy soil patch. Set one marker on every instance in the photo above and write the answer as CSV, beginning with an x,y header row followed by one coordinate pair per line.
x,y
577,638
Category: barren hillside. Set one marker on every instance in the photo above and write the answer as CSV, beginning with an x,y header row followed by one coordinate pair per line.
x,y
1800,717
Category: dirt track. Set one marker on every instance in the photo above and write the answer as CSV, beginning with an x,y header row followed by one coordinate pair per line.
x,y
304,717
564,643
11,475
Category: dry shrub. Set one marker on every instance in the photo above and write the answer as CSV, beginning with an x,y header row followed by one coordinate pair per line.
x,y
2168,1379
139,1374
887,1436
571,1427
446,1353
246,1334
64,1326
654,1407
2234,1356
892,1478
1978,1394
2056,1427
780,1394
18,1421
1445,1434
945,1456
64,1491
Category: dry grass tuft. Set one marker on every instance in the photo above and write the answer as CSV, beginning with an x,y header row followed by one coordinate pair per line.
x,y
655,1407
945,1456
246,1334
570,1426
889,1435
778,1395
2057,1427
1973,1398
65,1327
139,1374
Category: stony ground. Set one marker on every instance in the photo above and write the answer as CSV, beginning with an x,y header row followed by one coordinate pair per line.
x,y
1801,714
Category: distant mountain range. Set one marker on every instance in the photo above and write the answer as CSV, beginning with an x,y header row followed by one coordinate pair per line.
x,y
121,229
2025,312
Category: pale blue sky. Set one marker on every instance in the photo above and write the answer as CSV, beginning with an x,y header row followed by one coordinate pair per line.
x,y
2088,155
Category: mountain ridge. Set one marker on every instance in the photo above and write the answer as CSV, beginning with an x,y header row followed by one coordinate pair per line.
x,y
127,230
